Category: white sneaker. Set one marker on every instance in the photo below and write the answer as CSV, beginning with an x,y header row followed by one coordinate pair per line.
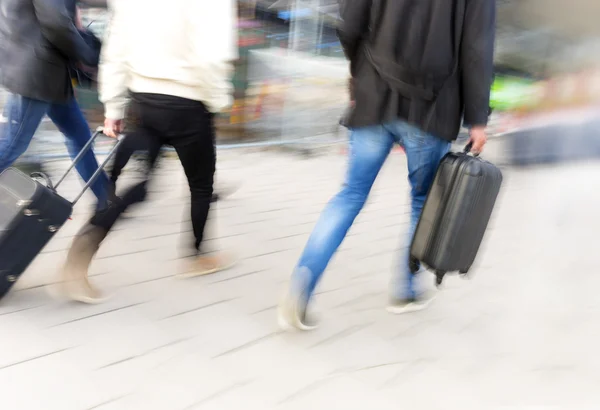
x,y
292,313
409,305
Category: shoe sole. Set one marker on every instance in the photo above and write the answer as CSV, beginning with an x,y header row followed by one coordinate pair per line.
x,y
225,193
88,300
287,326
189,275
59,293
409,308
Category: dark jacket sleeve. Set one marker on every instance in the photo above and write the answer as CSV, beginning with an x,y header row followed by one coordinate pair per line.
x,y
94,3
59,29
477,59
353,26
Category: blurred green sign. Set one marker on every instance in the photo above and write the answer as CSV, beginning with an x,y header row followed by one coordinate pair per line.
x,y
509,93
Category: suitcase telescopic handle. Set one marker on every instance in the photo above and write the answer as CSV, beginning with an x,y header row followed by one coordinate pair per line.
x,y
79,156
100,169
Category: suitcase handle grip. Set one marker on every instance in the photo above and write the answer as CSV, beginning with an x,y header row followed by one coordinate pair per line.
x,y
467,150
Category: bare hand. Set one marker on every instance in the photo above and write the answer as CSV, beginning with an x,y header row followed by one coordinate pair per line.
x,y
112,128
478,138
78,22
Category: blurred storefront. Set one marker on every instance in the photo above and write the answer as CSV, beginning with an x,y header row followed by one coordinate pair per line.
x,y
262,24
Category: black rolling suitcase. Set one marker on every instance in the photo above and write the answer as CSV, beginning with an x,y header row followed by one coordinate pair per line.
x,y
31,213
456,214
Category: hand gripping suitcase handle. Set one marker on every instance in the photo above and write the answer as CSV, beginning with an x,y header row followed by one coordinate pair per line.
x,y
467,149
100,169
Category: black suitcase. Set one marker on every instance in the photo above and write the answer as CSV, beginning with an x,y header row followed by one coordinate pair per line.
x,y
31,213
455,215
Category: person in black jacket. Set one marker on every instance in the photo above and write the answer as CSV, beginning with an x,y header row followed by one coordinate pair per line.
x,y
419,69
39,45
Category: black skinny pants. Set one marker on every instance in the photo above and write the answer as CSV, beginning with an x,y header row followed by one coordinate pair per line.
x,y
187,126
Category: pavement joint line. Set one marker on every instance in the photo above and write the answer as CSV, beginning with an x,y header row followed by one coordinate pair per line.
x,y
149,281
237,277
341,334
248,344
217,394
324,292
109,401
196,309
245,223
56,282
34,358
416,364
124,254
351,370
357,299
286,237
54,251
163,235
21,310
147,352
417,324
97,314
267,211
260,255
307,389
233,235
273,307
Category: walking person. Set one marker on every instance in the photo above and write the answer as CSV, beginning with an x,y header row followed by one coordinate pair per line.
x,y
175,64
418,70
39,45
134,143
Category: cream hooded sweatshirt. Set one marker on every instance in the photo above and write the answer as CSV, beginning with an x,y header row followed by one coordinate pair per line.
x,y
183,48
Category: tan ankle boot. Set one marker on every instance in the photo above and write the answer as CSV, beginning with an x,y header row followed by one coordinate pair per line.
x,y
208,264
75,285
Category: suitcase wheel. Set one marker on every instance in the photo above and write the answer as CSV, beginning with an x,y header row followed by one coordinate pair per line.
x,y
414,265
439,277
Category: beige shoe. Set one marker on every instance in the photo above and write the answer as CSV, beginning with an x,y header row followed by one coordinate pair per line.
x,y
208,264
75,285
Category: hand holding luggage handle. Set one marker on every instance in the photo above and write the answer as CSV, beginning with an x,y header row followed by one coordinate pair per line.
x,y
467,150
84,150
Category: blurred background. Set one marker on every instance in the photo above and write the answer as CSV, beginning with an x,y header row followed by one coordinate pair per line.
x,y
521,335
290,79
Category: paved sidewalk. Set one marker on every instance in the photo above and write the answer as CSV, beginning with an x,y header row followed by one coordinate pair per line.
x,y
523,333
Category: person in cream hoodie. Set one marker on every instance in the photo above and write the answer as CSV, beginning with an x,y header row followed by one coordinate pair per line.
x,y
171,63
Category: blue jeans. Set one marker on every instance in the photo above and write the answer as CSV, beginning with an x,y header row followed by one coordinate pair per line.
x,y
24,116
369,148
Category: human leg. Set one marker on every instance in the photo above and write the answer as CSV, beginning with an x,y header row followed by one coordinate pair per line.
x,y
369,148
424,153
23,117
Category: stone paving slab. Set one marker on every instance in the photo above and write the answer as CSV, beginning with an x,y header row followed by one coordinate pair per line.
x,y
522,334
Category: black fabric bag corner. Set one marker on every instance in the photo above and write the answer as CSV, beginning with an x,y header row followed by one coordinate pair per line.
x,y
82,75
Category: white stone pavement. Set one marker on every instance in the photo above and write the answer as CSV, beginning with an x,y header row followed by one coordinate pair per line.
x,y
522,334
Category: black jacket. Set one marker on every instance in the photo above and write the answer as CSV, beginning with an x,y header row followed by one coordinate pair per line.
x,y
38,44
429,62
